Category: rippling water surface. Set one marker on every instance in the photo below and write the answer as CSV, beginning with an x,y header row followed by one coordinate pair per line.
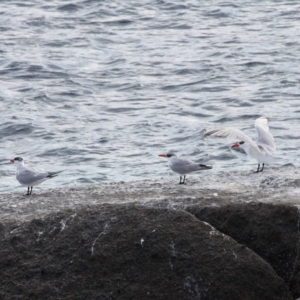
x,y
100,88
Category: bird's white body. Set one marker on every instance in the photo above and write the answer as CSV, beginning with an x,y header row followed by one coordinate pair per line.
x,y
260,153
183,166
29,176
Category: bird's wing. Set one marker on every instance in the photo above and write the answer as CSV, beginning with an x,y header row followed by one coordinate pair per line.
x,y
184,166
265,138
231,133
28,176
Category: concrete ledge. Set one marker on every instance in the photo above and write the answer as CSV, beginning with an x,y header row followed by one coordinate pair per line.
x,y
225,236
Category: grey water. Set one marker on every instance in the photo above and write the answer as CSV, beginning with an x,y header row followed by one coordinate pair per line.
x,y
100,88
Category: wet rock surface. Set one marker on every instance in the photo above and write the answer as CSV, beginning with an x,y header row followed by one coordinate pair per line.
x,y
130,252
231,236
271,231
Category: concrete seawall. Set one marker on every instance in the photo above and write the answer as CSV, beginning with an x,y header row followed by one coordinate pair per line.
x,y
225,236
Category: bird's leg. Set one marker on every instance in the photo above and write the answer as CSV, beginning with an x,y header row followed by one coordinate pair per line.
x,y
182,179
262,168
27,192
181,182
30,190
257,169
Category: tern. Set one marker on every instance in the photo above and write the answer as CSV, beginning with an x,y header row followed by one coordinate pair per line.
x,y
183,166
30,177
263,150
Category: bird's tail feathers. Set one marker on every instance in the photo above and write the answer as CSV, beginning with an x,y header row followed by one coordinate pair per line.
x,y
54,174
205,167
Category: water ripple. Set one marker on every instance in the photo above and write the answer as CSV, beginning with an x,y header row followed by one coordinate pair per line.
x,y
101,88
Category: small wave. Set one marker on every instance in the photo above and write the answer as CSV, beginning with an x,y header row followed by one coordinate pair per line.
x,y
15,129
69,7
118,22
116,61
186,71
254,64
122,109
217,14
178,86
34,68
168,6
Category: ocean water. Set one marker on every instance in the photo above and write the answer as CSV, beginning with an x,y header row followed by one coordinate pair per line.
x,y
100,88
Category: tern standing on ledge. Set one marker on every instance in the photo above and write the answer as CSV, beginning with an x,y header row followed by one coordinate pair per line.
x,y
263,150
183,166
28,176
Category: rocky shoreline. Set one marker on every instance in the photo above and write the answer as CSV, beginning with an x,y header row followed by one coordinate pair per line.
x,y
230,236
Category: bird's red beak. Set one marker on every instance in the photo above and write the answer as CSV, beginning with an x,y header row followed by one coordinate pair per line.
x,y
236,145
162,155
12,160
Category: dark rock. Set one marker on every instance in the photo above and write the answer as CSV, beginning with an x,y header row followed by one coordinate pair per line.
x,y
130,252
271,231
